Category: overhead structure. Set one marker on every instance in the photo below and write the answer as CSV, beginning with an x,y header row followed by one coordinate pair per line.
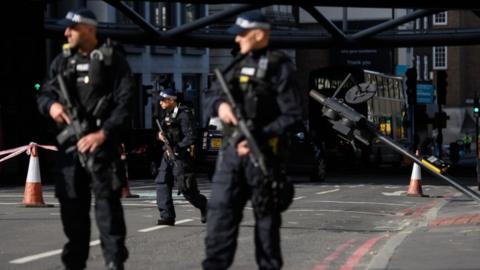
x,y
202,33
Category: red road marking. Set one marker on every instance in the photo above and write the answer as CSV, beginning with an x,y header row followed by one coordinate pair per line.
x,y
455,220
463,220
334,255
475,219
353,260
419,211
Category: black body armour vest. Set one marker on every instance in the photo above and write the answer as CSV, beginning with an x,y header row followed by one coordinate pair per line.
x,y
89,75
171,124
252,89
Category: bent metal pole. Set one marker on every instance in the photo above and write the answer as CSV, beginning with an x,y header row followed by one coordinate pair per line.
x,y
361,123
464,189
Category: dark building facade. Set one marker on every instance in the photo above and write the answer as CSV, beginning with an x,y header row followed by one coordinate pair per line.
x,y
22,66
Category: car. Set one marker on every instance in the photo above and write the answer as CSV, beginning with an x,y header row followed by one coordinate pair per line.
x,y
209,146
144,153
303,156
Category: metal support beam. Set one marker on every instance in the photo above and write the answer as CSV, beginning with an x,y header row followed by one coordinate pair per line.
x,y
135,17
476,12
416,4
369,32
326,23
205,21
287,39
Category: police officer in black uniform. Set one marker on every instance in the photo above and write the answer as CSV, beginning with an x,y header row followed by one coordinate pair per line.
x,y
179,132
262,83
92,72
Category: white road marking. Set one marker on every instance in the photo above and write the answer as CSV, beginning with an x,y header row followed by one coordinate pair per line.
x,y
328,191
9,203
356,186
298,198
140,204
395,193
375,203
164,226
45,255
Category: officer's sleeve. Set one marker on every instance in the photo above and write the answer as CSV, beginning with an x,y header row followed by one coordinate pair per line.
x,y
118,120
187,126
288,99
48,95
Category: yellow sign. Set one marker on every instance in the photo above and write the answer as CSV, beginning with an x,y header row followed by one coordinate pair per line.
x,y
244,79
216,143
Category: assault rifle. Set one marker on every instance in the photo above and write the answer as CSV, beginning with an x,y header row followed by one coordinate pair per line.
x,y
256,155
168,145
78,126
274,194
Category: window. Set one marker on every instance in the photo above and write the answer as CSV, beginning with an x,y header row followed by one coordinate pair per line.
x,y
418,66
425,23
425,68
191,12
440,57
191,90
417,24
161,15
440,18
138,6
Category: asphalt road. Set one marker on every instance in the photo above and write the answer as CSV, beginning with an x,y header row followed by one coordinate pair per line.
x,y
354,220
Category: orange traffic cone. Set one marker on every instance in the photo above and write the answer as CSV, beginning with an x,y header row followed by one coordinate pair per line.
x,y
126,192
415,187
126,189
33,187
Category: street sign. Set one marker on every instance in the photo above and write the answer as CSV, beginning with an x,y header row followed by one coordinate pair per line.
x,y
400,70
425,93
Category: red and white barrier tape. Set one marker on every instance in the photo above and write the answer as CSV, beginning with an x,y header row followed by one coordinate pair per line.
x,y
11,153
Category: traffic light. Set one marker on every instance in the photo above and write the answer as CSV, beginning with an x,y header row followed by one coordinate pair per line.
x,y
412,85
37,86
476,107
442,87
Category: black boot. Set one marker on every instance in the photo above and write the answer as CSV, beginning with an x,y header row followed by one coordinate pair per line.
x,y
203,213
167,221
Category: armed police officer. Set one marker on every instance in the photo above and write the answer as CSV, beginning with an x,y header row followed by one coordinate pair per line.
x,y
89,92
177,131
262,85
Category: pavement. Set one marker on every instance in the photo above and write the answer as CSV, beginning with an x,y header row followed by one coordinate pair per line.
x,y
446,236
356,219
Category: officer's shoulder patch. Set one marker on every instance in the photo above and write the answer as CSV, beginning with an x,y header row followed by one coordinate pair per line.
x,y
185,109
277,58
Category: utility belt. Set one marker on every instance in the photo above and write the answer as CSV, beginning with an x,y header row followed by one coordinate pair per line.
x,y
269,146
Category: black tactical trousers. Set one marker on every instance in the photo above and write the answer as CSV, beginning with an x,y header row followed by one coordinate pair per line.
x,y
182,174
232,185
75,199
